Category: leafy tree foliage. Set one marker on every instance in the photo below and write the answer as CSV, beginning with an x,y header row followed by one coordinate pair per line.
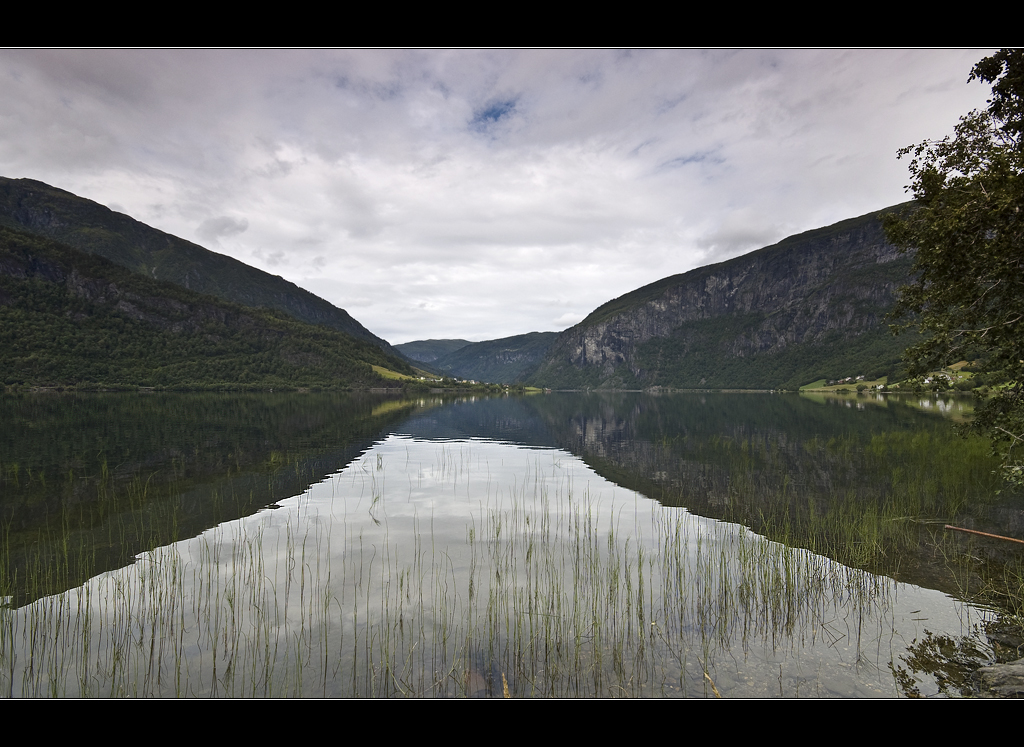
x,y
968,232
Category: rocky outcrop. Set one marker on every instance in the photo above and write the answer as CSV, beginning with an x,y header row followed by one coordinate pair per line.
x,y
1002,680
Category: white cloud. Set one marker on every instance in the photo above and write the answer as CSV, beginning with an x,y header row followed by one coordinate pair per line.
x,y
213,229
478,194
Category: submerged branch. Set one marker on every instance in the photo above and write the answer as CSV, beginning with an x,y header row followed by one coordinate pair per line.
x,y
984,534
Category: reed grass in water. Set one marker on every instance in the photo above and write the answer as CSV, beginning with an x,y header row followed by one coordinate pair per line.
x,y
544,598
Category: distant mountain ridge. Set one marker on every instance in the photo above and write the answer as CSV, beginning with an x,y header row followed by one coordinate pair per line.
x,y
504,361
812,306
29,205
428,351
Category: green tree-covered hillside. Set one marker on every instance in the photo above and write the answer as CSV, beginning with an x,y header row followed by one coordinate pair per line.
x,y
29,205
504,361
68,318
428,351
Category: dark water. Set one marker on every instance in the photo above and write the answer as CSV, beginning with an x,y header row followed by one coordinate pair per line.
x,y
568,544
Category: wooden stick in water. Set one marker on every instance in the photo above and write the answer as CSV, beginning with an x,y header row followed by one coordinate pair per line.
x,y
985,534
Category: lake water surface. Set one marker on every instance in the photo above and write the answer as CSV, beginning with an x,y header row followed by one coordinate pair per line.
x,y
617,545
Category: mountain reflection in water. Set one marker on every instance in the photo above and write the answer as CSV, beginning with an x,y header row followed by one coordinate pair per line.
x,y
566,544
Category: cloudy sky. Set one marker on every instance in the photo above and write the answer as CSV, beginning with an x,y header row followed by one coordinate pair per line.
x,y
478,194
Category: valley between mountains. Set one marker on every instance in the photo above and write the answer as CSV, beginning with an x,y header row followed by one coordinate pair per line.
x,y
92,298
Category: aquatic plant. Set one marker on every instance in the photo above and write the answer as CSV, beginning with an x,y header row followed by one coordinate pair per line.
x,y
547,597
544,586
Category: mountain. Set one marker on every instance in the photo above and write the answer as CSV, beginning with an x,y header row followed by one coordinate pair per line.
x,y
428,351
503,361
812,306
33,206
68,318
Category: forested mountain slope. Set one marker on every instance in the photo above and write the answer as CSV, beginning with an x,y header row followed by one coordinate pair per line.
x,y
428,351
68,318
503,361
26,204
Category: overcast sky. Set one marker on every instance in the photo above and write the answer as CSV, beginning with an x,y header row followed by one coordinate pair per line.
x,y
477,195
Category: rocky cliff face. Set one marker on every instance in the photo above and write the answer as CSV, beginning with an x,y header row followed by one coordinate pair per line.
x,y
755,321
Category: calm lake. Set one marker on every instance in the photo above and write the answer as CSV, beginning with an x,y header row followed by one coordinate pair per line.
x,y
567,545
